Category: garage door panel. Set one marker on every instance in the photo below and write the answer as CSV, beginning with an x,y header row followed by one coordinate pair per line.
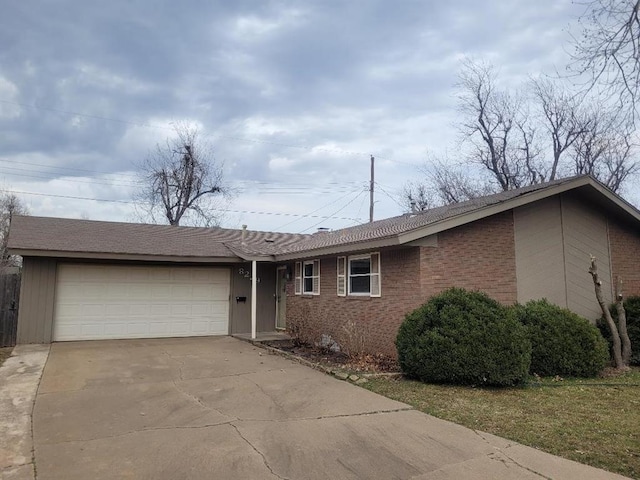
x,y
107,301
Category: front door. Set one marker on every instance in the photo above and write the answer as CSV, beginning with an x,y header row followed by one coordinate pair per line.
x,y
281,298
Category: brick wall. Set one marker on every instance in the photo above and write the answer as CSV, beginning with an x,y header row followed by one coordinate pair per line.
x,y
624,242
376,318
477,256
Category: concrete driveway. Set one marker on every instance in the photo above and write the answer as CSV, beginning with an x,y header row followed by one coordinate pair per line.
x,y
214,408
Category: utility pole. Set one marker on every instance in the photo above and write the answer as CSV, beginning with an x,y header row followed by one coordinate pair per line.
x,y
371,191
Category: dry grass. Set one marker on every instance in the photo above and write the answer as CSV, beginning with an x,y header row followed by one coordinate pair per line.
x,y
5,352
596,422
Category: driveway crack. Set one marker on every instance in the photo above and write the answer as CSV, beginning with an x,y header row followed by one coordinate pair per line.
x,y
264,460
502,451
195,398
142,430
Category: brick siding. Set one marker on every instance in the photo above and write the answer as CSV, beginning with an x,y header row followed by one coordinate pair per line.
x,y
377,318
479,256
624,244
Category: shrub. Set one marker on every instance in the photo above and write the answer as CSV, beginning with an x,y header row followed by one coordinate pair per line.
x,y
562,342
464,337
632,309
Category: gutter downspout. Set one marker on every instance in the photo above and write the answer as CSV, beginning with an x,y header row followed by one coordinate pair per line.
x,y
254,298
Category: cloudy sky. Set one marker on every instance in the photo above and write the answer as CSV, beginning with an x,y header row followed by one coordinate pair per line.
x,y
294,96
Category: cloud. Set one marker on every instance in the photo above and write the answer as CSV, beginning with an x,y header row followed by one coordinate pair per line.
x,y
294,96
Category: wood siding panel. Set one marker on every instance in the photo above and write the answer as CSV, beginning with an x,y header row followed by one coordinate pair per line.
x,y
539,252
241,287
584,234
266,321
35,318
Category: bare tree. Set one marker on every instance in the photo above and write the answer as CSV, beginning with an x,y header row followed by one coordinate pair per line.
x,y
444,184
608,50
496,124
621,348
605,150
180,177
417,197
454,186
10,205
562,117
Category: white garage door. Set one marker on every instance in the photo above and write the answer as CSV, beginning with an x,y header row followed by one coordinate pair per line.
x,y
106,301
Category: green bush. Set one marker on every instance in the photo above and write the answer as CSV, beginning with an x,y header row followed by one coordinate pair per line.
x,y
562,342
632,308
463,337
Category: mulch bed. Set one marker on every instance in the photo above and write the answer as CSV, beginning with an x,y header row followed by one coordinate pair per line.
x,y
337,360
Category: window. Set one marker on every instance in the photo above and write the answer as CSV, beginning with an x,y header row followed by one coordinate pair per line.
x,y
364,275
308,277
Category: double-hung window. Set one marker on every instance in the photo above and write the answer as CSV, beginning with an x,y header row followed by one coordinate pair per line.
x,y
308,277
359,275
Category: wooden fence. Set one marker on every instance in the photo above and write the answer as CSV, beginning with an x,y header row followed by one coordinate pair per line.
x,y
9,296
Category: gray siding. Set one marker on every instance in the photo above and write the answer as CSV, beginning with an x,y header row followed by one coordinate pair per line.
x,y
35,318
585,234
241,287
554,239
540,269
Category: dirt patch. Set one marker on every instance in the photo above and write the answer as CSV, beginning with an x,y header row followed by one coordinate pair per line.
x,y
337,360
5,352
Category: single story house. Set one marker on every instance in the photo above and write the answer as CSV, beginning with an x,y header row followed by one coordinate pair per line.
x,y
96,280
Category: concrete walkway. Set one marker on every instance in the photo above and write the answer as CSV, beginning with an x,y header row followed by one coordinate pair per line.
x,y
19,378
223,408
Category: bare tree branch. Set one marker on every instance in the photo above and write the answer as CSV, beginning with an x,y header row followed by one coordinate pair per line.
x,y
597,283
10,205
496,124
180,176
608,51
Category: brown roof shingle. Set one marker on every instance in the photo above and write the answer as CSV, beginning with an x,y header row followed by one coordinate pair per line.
x,y
92,237
87,236
390,227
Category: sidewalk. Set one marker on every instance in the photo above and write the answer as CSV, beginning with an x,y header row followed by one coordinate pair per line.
x,y
19,378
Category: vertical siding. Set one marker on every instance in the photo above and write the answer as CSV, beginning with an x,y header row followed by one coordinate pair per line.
x,y
241,287
35,318
266,321
584,233
540,268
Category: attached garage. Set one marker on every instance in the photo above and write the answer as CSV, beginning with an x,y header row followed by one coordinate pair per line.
x,y
94,302
90,280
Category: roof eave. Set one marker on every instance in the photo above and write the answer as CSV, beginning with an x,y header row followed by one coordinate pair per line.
x,y
389,241
121,256
516,202
468,217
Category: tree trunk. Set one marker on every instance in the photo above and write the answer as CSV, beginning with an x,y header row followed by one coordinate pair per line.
x,y
617,349
622,324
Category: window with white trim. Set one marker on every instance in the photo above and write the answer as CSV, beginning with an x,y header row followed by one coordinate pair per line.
x,y
363,275
307,277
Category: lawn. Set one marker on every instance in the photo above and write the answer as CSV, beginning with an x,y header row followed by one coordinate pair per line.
x,y
5,352
596,421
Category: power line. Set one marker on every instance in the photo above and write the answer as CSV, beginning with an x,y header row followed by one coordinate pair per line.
x,y
309,215
390,196
270,187
337,211
255,212
75,169
93,182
